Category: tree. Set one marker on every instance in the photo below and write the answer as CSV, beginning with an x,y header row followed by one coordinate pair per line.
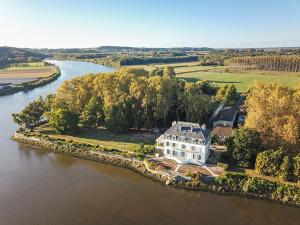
x,y
286,169
226,94
64,121
268,162
169,72
156,72
296,167
31,115
243,146
93,114
273,110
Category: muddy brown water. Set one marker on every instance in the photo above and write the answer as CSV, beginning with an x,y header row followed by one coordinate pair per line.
x,y
42,188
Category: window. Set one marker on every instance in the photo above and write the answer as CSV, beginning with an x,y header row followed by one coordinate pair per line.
x,y
198,157
193,148
182,154
182,146
193,156
174,152
168,151
168,143
173,144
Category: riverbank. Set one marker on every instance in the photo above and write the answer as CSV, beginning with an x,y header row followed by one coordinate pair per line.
x,y
228,183
26,86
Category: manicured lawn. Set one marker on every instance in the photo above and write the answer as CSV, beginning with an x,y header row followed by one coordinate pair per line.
x,y
242,81
128,141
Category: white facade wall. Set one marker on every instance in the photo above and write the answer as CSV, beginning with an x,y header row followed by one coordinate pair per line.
x,y
183,152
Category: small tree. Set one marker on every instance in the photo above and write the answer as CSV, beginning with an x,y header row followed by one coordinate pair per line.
x,y
296,167
226,93
169,71
286,169
31,115
64,121
243,146
268,162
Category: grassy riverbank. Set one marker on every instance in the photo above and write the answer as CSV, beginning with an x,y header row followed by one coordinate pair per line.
x,y
228,183
128,141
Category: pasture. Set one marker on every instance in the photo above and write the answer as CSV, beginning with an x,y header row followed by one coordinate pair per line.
x,y
221,75
242,80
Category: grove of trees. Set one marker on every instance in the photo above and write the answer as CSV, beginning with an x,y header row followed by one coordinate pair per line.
x,y
273,63
274,111
270,138
128,98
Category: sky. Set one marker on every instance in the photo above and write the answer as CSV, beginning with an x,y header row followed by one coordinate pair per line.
x,y
150,23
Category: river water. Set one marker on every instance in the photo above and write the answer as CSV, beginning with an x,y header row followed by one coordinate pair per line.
x,y
41,188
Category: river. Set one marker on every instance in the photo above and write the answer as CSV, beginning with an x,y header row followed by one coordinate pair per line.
x,y
41,188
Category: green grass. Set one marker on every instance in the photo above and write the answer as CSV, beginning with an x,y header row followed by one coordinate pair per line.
x,y
242,80
33,65
128,141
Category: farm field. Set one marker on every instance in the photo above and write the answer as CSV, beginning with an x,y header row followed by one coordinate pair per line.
x,y
21,74
242,80
129,141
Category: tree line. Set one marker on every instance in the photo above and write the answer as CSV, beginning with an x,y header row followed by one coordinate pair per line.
x,y
128,98
10,55
273,63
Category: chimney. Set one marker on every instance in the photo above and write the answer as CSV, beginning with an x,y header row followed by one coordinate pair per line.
x,y
174,123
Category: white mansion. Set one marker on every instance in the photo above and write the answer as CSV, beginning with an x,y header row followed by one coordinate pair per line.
x,y
185,143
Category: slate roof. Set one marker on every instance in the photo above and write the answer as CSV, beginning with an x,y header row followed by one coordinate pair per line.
x,y
227,113
188,130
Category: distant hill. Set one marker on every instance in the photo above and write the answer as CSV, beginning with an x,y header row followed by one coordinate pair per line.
x,y
10,55
115,49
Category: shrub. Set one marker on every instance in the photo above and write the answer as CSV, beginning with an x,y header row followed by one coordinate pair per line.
x,y
224,166
150,164
143,150
296,167
259,187
231,182
285,172
268,162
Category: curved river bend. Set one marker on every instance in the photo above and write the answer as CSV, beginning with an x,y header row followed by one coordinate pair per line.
x,y
37,187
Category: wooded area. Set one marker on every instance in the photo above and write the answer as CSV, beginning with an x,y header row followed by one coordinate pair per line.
x,y
272,63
